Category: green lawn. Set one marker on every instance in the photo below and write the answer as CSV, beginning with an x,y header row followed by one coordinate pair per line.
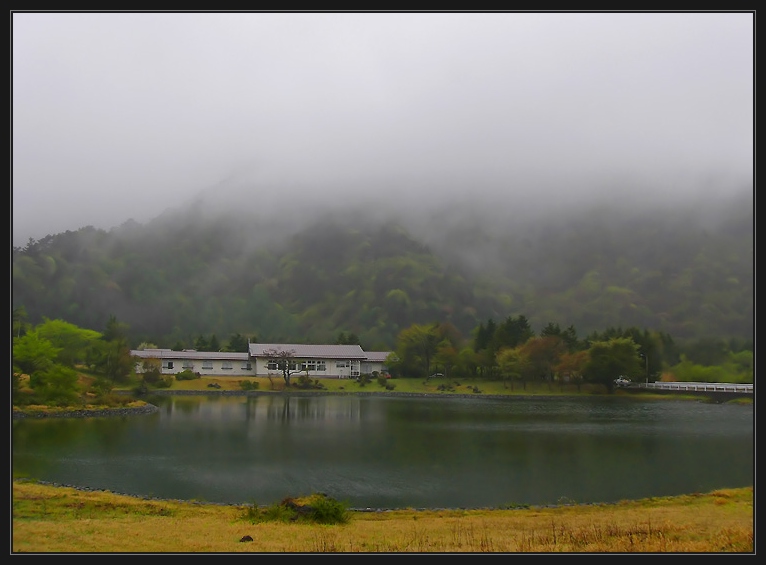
x,y
474,387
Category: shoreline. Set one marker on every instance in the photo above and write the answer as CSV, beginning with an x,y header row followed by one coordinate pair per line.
x,y
87,412
150,408
352,509
299,392
368,509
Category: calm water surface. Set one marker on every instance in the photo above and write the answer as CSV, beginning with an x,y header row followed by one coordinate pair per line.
x,y
398,452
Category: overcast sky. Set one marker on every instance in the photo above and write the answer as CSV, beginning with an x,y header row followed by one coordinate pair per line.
x,y
121,115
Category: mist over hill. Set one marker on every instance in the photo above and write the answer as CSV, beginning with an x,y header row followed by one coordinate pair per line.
x,y
303,271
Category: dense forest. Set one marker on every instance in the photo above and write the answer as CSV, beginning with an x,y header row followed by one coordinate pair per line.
x,y
686,272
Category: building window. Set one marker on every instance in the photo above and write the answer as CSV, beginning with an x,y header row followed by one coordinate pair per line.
x,y
188,365
167,364
342,364
247,366
354,373
309,366
321,366
227,365
273,366
207,364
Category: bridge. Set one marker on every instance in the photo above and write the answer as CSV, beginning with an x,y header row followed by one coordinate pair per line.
x,y
719,392
700,387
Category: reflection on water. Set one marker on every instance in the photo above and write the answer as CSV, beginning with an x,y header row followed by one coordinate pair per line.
x,y
398,452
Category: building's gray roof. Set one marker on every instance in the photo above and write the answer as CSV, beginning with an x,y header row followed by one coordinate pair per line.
x,y
189,354
377,356
302,351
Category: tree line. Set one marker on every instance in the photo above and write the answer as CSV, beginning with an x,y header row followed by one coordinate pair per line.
x,y
49,358
512,352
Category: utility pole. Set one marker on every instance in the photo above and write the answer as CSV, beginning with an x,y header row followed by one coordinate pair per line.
x,y
646,359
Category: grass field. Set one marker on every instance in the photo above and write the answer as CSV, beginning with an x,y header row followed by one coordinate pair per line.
x,y
60,519
438,386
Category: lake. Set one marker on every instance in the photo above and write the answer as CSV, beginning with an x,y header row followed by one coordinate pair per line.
x,y
389,452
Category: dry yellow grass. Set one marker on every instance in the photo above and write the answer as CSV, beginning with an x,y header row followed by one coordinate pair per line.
x,y
60,519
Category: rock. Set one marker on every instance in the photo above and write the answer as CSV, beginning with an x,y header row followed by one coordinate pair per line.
x,y
246,538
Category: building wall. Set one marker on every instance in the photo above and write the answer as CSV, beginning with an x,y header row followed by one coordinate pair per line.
x,y
215,367
333,368
370,367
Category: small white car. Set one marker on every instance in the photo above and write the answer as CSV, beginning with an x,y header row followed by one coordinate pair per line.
x,y
622,381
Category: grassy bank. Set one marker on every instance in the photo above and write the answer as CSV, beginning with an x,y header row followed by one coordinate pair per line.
x,y
437,386
62,519
122,399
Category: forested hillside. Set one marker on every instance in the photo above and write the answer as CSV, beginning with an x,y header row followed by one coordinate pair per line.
x,y
686,272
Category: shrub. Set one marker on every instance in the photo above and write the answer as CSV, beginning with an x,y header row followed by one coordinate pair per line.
x,y
276,513
251,513
164,382
187,375
328,511
316,509
363,379
151,376
248,385
102,386
305,382
273,513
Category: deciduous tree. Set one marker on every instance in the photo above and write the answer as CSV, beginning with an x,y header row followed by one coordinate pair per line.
x,y
571,366
18,321
513,364
543,354
417,346
612,358
285,361
56,384
32,353
72,340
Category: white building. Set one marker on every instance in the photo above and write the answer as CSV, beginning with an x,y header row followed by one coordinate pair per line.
x,y
202,362
317,361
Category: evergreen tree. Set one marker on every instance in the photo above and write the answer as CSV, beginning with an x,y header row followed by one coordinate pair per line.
x,y
237,343
201,344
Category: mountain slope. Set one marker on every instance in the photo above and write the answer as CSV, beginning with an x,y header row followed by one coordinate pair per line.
x,y
686,272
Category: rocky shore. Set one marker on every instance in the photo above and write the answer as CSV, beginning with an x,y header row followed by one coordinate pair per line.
x,y
87,413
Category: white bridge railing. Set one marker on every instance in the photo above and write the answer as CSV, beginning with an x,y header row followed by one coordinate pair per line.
x,y
701,387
